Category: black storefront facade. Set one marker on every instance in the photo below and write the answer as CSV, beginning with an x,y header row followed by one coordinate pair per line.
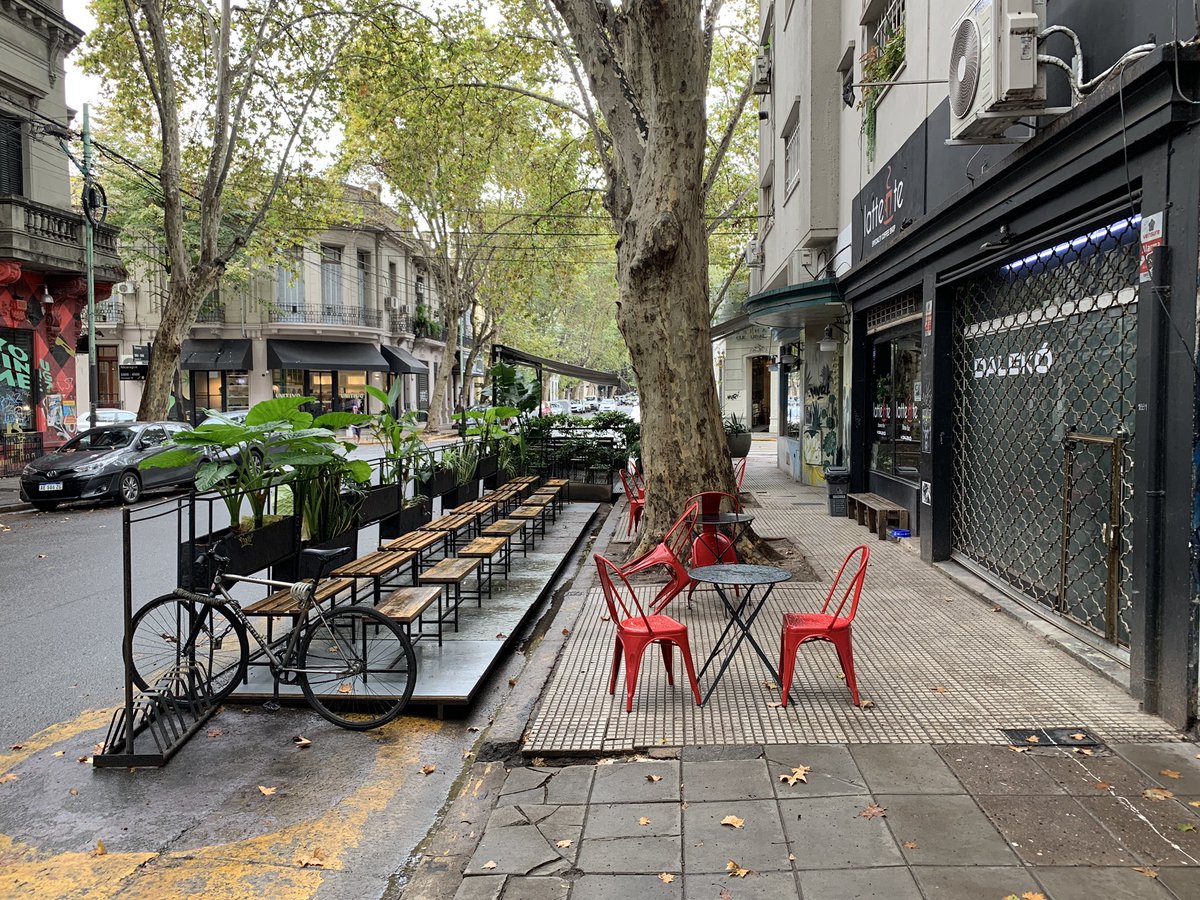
x,y
1024,364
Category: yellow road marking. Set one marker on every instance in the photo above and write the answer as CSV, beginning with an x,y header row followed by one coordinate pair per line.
x,y
263,865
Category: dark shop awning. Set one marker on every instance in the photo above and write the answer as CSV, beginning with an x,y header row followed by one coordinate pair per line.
x,y
512,355
325,355
211,354
403,362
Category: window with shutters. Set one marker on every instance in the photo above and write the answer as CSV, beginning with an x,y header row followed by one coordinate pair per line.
x,y
12,157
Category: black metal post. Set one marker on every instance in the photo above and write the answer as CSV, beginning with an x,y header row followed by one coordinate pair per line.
x,y
127,640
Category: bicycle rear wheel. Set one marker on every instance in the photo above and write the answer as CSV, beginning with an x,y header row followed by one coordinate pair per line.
x,y
358,667
187,650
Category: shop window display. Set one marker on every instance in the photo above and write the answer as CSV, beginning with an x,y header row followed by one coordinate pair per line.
x,y
896,402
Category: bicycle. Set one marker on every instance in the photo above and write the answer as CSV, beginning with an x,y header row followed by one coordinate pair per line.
x,y
355,666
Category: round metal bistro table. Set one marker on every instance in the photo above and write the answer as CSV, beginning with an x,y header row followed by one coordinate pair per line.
x,y
752,580
709,524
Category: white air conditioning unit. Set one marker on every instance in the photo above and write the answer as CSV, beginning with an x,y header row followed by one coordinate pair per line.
x,y
395,304
762,73
995,78
124,287
801,265
754,253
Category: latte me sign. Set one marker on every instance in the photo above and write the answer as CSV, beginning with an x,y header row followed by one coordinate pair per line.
x,y
891,200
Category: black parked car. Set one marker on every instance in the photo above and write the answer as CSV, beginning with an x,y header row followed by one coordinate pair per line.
x,y
103,464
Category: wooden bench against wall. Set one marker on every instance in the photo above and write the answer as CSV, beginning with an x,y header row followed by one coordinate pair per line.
x,y
877,513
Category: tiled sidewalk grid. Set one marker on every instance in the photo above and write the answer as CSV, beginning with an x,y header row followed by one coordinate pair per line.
x,y
916,631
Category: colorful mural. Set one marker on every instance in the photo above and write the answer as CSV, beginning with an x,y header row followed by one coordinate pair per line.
x,y
37,350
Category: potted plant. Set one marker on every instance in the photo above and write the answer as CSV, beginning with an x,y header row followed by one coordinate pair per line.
x,y
436,477
737,436
461,461
252,463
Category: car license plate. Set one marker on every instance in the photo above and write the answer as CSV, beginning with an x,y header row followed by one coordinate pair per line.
x,y
50,486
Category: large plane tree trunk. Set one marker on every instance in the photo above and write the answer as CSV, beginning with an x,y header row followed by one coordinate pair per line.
x,y
646,66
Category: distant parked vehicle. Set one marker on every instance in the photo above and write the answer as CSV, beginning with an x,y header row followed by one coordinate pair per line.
x,y
608,405
102,464
560,407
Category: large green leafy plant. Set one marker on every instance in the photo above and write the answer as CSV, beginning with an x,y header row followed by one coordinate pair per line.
x,y
278,442
404,452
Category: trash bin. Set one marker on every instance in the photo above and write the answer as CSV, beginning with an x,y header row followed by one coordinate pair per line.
x,y
837,480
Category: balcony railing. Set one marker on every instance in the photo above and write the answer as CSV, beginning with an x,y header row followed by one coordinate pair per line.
x,y
327,314
401,323
431,330
211,311
50,235
110,312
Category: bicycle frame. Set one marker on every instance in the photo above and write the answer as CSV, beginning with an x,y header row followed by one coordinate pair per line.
x,y
278,663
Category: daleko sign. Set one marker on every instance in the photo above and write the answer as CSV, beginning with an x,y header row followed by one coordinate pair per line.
x,y
891,200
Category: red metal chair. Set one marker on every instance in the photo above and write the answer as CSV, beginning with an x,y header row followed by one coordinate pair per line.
x,y
670,553
637,500
739,473
711,547
636,630
799,628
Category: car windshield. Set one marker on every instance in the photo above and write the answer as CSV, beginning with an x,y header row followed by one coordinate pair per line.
x,y
101,439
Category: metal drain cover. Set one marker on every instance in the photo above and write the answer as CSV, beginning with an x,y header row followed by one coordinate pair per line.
x,y
1051,737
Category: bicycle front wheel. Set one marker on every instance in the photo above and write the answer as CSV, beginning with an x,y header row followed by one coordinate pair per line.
x,y
358,668
187,650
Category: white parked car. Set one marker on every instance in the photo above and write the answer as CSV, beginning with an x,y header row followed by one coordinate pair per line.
x,y
608,405
103,417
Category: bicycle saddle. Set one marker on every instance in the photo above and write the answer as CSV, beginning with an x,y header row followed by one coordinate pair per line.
x,y
324,557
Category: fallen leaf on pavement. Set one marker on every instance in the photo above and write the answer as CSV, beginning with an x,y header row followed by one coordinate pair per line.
x,y
1194,803
17,747
539,761
798,774
266,791
566,631
7,777
83,759
774,704
473,728
939,690
1033,895
60,753
1085,751
344,689
791,857
74,792
733,821
41,556
1017,749
1157,794
100,849
1170,773
666,877
841,676
490,864
1102,786
874,811
911,845
315,860
867,704
995,609
653,778
467,754
724,895
643,821
97,749
301,742
1185,826
215,732
501,634
1079,736
736,871
512,682
564,844
1033,739
428,769
609,619
1147,871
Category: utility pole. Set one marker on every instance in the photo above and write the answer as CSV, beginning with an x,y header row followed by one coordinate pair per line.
x,y
90,270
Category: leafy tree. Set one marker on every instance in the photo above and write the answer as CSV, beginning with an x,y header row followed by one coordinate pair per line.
x,y
224,97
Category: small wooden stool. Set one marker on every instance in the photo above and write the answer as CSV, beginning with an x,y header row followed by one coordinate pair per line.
x,y
407,605
451,573
510,528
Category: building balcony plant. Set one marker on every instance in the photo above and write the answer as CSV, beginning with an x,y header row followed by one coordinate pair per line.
x,y
879,66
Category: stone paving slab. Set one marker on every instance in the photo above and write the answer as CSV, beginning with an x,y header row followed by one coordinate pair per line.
x,y
964,840
938,665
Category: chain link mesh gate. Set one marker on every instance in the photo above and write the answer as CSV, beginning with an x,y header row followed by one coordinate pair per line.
x,y
1044,352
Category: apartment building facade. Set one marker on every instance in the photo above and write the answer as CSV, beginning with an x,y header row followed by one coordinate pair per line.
x,y
42,285
353,307
986,301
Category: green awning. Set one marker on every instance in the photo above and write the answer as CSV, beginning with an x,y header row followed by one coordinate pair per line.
x,y
797,305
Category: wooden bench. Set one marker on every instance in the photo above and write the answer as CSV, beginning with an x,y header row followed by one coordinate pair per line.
x,y
451,573
547,501
525,485
281,604
450,525
510,528
485,550
379,566
408,604
533,513
876,512
422,543
554,494
483,510
505,498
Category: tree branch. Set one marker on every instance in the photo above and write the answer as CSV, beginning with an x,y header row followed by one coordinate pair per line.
x,y
729,210
724,289
714,165
525,92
